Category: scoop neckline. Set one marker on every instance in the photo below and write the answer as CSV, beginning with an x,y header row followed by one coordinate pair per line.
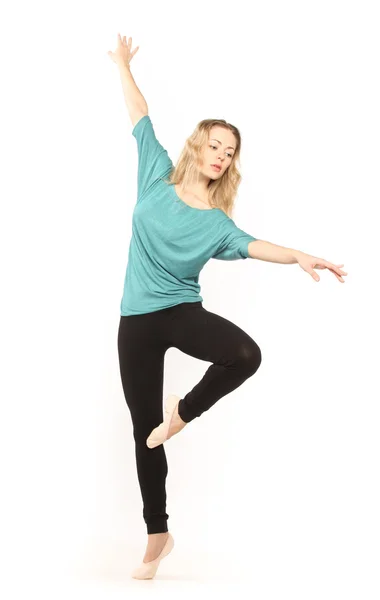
x,y
192,207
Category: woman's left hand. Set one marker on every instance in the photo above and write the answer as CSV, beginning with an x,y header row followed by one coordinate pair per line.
x,y
308,263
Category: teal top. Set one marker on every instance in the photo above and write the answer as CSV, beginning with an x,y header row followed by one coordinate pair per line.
x,y
171,241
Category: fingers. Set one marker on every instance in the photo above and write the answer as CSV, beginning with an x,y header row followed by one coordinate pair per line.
x,y
320,263
339,277
337,270
314,275
333,267
337,267
123,41
134,51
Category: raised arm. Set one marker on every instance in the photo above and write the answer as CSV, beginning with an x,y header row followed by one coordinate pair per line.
x,y
135,101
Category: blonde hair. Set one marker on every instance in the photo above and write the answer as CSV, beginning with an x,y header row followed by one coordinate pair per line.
x,y
223,191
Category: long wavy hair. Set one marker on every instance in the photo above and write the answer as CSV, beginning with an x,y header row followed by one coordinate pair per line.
x,y
222,191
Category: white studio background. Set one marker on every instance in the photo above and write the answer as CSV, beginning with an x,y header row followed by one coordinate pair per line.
x,y
275,490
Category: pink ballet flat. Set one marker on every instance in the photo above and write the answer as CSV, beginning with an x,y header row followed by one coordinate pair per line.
x,y
160,434
149,569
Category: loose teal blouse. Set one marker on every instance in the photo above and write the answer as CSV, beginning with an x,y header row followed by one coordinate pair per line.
x,y
171,241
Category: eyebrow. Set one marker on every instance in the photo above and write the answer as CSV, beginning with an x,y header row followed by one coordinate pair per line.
x,y
221,142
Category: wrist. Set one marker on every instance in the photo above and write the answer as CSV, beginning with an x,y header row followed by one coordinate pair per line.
x,y
296,254
122,64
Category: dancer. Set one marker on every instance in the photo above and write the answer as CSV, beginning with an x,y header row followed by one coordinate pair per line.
x,y
181,219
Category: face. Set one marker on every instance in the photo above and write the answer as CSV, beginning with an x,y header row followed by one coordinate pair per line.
x,y
219,150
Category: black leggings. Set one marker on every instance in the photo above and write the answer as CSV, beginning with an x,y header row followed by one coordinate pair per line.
x,y
142,343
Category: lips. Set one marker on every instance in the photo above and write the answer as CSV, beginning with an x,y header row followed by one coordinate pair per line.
x,y
218,167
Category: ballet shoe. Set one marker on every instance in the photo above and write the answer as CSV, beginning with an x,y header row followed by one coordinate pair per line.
x,y
160,434
149,569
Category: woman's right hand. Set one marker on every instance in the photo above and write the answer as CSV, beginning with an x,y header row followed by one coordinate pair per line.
x,y
123,52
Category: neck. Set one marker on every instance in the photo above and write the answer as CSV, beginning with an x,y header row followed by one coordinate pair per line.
x,y
198,188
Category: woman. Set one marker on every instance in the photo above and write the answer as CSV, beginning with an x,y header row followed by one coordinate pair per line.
x,y
182,218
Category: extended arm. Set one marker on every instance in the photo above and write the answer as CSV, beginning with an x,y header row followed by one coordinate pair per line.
x,y
135,101
271,252
267,251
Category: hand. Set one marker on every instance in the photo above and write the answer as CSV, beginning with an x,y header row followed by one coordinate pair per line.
x,y
123,51
308,263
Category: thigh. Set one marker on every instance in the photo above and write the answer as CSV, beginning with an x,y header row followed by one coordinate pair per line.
x,y
141,360
208,336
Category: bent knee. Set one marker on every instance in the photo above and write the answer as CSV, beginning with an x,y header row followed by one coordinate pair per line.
x,y
249,358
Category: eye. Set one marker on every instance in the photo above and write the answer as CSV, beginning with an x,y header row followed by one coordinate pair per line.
x,y
214,147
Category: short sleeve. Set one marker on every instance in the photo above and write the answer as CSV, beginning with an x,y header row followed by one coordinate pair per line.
x,y
234,242
153,159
